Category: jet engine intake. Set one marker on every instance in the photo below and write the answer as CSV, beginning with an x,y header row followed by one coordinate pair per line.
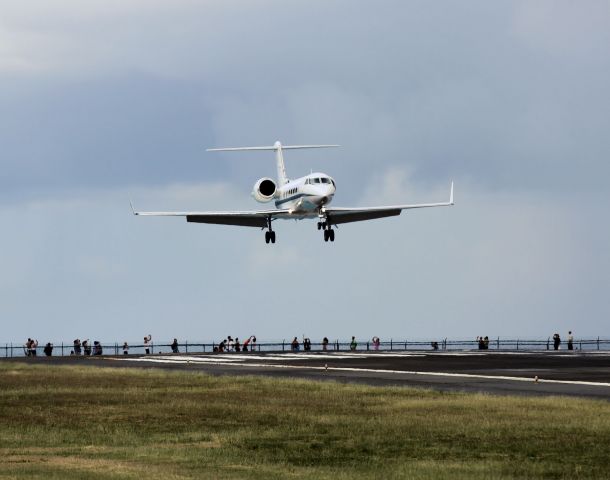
x,y
264,190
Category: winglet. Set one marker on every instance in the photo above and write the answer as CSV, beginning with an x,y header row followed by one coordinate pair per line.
x,y
451,195
132,209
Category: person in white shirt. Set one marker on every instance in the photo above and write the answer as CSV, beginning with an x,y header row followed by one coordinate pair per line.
x,y
147,344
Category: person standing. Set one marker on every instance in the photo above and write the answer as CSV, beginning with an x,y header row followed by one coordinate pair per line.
x,y
147,343
33,347
556,341
376,343
174,346
353,345
86,347
48,349
325,343
125,348
294,346
570,340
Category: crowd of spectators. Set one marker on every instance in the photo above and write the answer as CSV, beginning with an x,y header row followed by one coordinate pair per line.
x,y
230,344
234,345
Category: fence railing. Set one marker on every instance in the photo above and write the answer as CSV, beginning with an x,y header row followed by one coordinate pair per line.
x,y
68,349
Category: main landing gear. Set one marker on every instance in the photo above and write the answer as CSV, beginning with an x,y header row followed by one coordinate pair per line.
x,y
270,237
269,234
329,233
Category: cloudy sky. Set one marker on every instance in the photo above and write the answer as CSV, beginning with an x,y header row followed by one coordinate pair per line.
x,y
101,101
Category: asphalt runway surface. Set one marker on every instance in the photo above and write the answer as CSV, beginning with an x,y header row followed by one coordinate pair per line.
x,y
577,373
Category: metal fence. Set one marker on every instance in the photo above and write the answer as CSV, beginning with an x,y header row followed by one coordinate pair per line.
x,y
67,349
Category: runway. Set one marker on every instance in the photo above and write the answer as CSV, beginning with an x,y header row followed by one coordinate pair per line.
x,y
514,373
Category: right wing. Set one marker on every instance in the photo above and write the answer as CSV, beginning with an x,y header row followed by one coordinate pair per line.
x,y
259,218
339,215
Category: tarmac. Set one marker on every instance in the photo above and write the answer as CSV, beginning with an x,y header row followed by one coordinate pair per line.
x,y
572,373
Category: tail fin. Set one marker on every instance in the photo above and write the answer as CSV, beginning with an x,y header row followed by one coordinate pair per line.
x,y
279,157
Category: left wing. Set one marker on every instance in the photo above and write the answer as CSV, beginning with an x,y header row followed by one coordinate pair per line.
x,y
259,218
347,215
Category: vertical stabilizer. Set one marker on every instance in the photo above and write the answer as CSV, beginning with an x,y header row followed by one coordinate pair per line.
x,y
282,179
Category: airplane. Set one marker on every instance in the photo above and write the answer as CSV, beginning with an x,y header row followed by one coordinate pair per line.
x,y
305,197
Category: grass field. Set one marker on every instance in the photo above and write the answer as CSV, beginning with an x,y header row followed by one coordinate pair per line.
x,y
79,422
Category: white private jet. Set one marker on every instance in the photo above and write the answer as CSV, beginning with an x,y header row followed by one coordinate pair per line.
x,y
304,197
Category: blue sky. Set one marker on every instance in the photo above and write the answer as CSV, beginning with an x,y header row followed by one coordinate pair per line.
x,y
103,101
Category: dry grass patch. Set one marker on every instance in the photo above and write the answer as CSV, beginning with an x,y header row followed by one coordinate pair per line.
x,y
120,423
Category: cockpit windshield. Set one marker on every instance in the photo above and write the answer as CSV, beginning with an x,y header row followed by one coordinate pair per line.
x,y
326,180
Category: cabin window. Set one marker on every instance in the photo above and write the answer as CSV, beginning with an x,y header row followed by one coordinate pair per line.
x,y
325,180
316,180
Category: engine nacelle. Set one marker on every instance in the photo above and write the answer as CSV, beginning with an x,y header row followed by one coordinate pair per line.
x,y
264,190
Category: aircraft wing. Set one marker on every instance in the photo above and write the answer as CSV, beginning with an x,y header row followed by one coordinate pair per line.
x,y
346,215
244,219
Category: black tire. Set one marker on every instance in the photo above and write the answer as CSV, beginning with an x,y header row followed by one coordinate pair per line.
x,y
267,237
331,234
326,235
272,237
319,225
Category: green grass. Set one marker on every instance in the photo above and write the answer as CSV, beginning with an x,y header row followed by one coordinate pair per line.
x,y
79,422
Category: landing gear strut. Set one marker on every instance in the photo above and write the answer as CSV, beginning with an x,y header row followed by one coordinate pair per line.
x,y
269,234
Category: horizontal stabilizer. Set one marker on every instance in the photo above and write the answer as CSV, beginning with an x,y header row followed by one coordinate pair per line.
x,y
272,147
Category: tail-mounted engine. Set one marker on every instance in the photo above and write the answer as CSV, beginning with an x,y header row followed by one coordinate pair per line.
x,y
264,190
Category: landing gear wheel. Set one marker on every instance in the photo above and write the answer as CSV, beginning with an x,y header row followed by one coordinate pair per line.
x,y
331,235
267,237
326,235
272,235
319,225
